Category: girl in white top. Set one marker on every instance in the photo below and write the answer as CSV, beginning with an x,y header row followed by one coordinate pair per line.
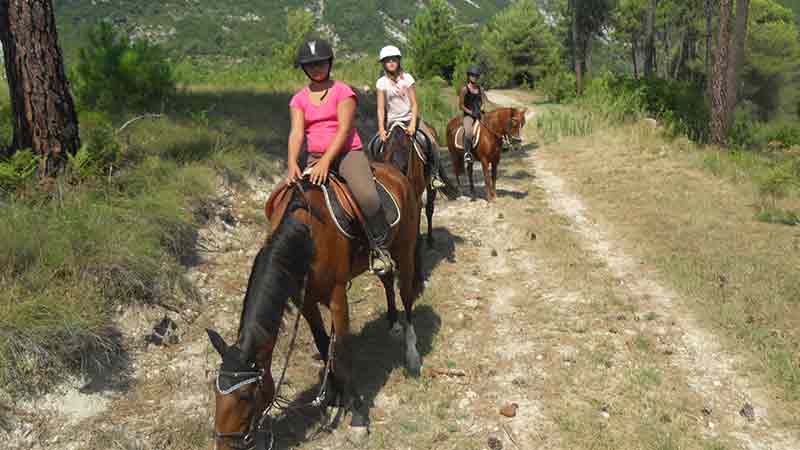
x,y
397,97
397,102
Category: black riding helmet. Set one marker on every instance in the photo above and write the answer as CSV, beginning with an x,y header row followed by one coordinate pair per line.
x,y
312,51
474,70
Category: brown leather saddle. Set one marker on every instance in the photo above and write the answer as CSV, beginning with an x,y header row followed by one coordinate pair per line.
x,y
339,201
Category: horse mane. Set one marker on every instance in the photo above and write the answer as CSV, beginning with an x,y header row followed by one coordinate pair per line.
x,y
278,273
399,160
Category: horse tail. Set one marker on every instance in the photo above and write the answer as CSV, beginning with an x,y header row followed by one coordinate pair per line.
x,y
450,190
278,273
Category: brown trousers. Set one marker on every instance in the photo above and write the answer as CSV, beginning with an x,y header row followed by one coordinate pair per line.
x,y
354,167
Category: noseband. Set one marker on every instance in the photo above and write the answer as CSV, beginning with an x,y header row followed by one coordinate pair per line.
x,y
256,435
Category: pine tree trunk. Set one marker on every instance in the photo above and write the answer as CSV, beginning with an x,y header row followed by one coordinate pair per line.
x,y
719,78
650,40
633,58
707,8
576,51
45,120
736,57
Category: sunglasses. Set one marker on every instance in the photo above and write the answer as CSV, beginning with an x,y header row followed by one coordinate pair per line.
x,y
391,59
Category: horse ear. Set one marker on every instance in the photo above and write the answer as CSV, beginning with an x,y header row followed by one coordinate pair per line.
x,y
217,341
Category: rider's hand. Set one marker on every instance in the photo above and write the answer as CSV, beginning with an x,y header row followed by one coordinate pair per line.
x,y
319,173
293,173
383,135
411,130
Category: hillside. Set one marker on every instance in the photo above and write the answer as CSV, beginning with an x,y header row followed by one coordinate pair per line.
x,y
249,27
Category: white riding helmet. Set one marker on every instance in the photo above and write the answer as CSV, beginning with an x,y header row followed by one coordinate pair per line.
x,y
389,51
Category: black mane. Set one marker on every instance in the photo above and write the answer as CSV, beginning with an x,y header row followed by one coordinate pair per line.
x,y
278,273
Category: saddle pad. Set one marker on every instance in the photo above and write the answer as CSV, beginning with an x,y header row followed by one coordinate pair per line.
x,y
459,138
347,223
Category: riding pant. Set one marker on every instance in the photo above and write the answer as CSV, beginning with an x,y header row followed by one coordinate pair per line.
x,y
469,122
354,167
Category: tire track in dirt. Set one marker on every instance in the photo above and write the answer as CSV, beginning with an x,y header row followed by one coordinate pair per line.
x,y
711,370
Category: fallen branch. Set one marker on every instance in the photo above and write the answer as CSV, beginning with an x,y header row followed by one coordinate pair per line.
x,y
433,371
137,118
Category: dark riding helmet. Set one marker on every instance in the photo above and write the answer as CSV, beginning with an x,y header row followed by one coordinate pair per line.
x,y
474,70
312,51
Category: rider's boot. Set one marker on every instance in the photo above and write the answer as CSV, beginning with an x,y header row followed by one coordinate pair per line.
x,y
436,181
467,150
377,230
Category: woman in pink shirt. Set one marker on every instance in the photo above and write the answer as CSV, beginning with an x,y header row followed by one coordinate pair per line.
x,y
322,115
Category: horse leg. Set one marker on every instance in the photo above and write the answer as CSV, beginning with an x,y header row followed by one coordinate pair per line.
x,y
458,164
471,181
343,363
391,304
487,179
409,289
317,326
430,200
494,178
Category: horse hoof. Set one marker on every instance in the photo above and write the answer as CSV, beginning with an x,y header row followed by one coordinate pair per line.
x,y
358,435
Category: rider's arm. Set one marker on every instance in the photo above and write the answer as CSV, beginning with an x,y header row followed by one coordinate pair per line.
x,y
381,110
296,135
345,114
484,100
461,101
412,95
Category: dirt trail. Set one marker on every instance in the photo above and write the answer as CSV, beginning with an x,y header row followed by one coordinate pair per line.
x,y
529,301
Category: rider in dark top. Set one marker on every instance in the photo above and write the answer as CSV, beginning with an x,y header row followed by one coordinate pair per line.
x,y
470,101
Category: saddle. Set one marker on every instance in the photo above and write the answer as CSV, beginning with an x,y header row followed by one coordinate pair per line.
x,y
459,137
421,142
339,201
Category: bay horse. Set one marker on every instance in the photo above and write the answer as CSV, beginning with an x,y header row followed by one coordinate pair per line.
x,y
308,259
495,127
399,150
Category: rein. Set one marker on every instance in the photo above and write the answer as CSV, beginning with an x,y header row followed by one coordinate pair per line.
x,y
505,137
256,435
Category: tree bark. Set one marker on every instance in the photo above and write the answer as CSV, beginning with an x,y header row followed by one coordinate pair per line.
x,y
719,81
736,57
576,50
45,120
650,40
707,8
633,58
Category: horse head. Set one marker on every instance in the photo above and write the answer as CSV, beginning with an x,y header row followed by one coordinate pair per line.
x,y
245,390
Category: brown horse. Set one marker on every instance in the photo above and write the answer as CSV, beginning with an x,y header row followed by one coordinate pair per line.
x,y
500,125
399,151
308,259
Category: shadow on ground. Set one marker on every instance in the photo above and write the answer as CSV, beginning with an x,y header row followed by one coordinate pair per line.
x,y
376,356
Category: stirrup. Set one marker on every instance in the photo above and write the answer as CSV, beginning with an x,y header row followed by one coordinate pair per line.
x,y
468,157
383,259
437,183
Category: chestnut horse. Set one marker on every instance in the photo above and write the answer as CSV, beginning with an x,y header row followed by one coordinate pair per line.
x,y
496,126
308,259
399,151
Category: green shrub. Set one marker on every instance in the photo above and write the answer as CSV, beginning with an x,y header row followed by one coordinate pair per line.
x,y
114,73
18,169
678,104
558,86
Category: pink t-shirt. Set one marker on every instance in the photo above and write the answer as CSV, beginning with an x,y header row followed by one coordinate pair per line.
x,y
321,120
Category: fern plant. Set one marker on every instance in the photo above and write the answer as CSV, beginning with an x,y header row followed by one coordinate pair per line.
x,y
18,169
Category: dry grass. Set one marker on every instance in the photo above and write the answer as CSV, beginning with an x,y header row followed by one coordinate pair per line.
x,y
699,232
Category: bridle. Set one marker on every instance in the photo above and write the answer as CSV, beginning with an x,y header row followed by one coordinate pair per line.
x,y
256,435
508,139
259,435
